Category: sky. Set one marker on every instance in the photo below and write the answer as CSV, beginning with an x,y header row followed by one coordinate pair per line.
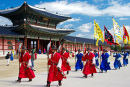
x,y
83,13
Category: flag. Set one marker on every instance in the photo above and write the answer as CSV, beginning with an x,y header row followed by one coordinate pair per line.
x,y
98,33
117,31
108,37
125,35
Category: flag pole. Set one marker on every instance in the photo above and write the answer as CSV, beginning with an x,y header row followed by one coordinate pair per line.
x,y
114,33
75,51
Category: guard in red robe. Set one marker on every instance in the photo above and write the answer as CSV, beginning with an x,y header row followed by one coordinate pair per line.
x,y
89,67
65,61
55,70
25,69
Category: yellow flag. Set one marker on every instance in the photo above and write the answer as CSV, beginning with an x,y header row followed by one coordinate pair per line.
x,y
116,28
98,33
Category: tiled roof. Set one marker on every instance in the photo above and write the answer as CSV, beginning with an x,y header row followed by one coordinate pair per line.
x,y
82,40
6,30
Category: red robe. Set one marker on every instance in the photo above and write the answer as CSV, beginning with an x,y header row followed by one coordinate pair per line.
x,y
54,74
89,68
65,65
24,71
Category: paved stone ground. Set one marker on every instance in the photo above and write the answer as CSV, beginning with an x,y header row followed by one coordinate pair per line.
x,y
113,78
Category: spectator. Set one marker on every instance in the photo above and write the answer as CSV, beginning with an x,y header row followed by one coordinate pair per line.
x,y
32,59
8,58
35,54
11,57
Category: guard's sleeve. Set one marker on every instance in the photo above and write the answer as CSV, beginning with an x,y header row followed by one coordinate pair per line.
x,y
59,63
114,55
68,59
29,62
108,60
94,60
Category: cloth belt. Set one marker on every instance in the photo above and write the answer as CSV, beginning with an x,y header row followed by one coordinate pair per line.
x,y
54,63
89,60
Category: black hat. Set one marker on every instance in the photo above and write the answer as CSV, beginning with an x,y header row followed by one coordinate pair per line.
x,y
24,48
79,50
88,48
54,48
63,48
95,50
104,50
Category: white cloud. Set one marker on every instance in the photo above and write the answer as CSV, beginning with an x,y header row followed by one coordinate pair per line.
x,y
4,21
123,18
114,8
85,27
97,0
71,20
80,35
68,26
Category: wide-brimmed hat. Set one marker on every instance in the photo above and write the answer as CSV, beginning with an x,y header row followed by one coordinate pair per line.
x,y
63,48
104,50
88,48
95,50
79,50
54,48
24,48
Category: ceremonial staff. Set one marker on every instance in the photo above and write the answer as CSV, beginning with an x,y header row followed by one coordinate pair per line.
x,y
83,51
48,49
20,45
75,51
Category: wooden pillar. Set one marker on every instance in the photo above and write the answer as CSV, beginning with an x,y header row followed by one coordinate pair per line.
x,y
25,42
3,45
38,44
15,45
55,43
59,42
42,47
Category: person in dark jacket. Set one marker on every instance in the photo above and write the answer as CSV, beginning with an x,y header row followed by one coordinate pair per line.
x,y
8,58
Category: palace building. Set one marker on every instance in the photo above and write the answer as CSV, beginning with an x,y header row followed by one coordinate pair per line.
x,y
35,28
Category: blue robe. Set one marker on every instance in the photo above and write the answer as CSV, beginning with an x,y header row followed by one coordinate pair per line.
x,y
117,62
105,64
11,57
79,63
96,59
125,58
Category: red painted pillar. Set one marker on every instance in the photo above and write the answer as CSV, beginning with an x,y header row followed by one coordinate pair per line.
x,y
3,45
42,47
25,42
59,42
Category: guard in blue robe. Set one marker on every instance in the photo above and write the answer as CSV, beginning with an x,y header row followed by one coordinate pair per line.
x,y
96,58
105,64
117,63
79,63
125,58
11,57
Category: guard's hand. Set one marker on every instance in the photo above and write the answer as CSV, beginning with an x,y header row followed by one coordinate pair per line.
x,y
93,63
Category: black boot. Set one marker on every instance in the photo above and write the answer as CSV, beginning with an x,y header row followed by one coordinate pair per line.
x,y
101,71
85,76
30,80
48,84
19,80
81,69
106,71
75,69
119,67
67,72
92,75
59,83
